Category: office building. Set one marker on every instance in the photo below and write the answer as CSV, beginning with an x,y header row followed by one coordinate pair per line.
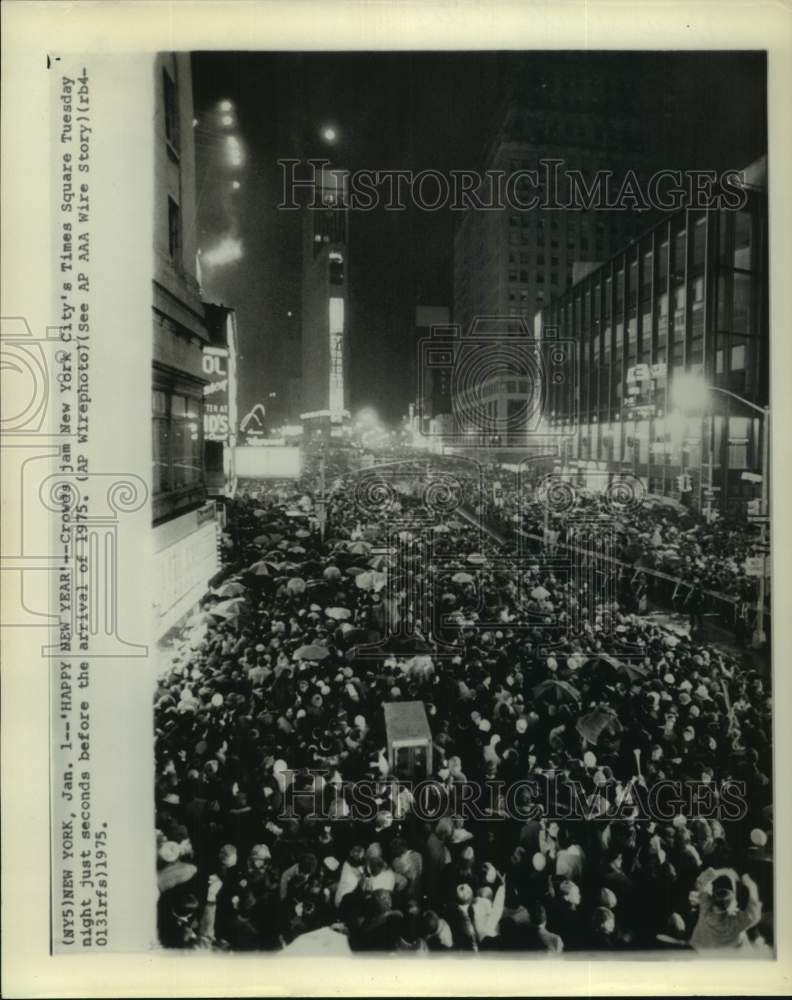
x,y
586,114
683,306
185,535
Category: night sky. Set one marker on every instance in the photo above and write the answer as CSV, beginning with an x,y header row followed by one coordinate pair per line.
x,y
400,111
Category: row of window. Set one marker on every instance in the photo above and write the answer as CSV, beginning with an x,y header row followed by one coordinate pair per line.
x,y
600,296
523,238
530,220
177,441
643,442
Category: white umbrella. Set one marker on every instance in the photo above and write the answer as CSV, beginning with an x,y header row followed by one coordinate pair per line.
x,y
231,589
228,608
540,594
324,941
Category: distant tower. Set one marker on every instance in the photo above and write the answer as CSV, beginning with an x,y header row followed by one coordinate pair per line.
x,y
325,390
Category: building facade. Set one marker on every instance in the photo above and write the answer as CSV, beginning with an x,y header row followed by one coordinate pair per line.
x,y
324,313
220,416
585,116
185,537
685,304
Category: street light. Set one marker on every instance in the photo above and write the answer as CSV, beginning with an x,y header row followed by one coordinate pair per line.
x,y
692,391
329,133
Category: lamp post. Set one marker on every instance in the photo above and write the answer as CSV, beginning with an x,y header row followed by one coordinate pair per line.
x,y
695,389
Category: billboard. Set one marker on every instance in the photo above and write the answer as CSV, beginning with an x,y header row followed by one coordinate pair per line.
x,y
263,462
217,425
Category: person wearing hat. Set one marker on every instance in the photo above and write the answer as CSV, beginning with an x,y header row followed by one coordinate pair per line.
x,y
460,919
352,874
566,914
408,867
721,922
436,932
537,936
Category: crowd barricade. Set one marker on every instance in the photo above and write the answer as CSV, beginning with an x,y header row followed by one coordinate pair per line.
x,y
664,590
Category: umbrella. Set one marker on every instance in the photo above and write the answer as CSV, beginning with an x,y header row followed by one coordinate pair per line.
x,y
231,589
633,671
199,620
302,533
260,568
360,548
594,723
462,578
338,614
310,567
540,594
324,941
441,529
331,573
661,501
261,540
476,559
355,571
294,512
379,562
558,691
311,652
296,585
259,513
229,607
220,612
371,581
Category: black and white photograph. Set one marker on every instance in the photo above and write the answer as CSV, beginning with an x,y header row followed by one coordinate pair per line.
x,y
394,498
465,355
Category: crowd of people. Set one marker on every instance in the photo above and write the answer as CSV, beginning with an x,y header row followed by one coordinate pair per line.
x,y
649,532
600,783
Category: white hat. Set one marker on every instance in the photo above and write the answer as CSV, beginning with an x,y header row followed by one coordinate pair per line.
x,y
169,851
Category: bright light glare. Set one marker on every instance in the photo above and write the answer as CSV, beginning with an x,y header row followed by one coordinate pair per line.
x,y
235,185
367,418
227,251
689,392
234,149
329,134
226,105
227,120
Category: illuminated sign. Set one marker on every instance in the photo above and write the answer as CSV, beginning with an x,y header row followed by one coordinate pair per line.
x,y
336,319
268,462
216,397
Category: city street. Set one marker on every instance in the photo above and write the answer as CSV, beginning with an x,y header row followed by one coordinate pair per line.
x,y
462,504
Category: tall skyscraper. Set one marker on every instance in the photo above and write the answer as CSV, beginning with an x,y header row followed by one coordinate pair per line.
x,y
585,111
325,391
